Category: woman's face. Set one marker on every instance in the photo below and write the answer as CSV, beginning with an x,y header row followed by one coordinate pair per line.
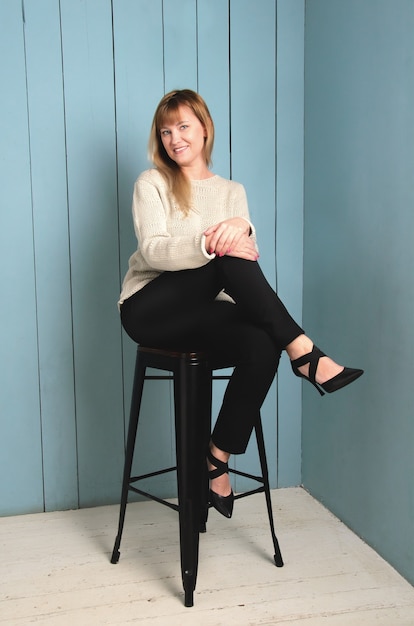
x,y
183,138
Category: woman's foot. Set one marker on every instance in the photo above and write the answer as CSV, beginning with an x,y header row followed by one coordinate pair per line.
x,y
326,368
221,494
309,362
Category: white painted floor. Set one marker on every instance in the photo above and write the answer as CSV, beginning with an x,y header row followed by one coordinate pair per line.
x,y
55,570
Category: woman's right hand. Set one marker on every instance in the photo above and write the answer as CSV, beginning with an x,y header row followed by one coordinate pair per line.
x,y
244,249
231,237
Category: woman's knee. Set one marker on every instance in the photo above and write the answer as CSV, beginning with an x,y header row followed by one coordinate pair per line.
x,y
259,349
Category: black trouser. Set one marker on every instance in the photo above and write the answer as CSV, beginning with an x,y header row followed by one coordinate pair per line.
x,y
178,310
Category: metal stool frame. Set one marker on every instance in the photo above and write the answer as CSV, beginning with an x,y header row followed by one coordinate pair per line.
x,y
192,376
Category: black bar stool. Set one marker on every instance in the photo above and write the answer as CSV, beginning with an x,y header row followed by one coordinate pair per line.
x,y
192,376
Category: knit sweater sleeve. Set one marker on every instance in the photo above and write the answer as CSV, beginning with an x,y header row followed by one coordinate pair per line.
x,y
165,240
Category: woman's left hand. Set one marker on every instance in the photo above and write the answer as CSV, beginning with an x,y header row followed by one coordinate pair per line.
x,y
224,237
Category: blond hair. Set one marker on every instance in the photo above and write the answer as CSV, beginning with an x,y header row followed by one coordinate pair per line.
x,y
167,109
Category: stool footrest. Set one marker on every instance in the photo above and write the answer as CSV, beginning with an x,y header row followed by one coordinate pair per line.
x,y
258,479
151,496
237,496
151,474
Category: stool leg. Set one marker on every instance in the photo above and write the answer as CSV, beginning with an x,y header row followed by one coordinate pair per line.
x,y
265,473
205,426
191,394
139,377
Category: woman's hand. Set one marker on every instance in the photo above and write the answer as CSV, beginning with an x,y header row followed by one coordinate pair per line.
x,y
231,237
244,249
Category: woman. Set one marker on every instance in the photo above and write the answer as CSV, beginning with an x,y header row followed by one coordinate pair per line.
x,y
194,281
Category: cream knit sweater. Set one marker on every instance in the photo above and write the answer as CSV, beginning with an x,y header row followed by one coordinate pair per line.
x,y
167,239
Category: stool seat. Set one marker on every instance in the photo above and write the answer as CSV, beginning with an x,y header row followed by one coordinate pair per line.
x,y
192,374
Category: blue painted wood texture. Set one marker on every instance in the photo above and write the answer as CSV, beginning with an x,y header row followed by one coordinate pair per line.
x,y
21,438
52,252
82,79
289,218
359,163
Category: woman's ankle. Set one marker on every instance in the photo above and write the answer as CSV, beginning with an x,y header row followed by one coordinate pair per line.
x,y
221,455
300,346
326,369
220,485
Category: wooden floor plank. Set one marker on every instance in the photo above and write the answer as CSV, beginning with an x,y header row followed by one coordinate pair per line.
x,y
55,570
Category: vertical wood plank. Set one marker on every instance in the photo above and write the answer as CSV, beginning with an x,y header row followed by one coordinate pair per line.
x,y
214,86
253,144
51,237
139,84
139,73
21,486
213,75
289,232
93,218
180,44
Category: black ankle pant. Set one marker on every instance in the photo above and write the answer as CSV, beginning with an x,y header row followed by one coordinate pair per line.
x,y
178,310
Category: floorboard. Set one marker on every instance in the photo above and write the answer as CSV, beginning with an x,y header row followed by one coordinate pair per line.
x,y
55,570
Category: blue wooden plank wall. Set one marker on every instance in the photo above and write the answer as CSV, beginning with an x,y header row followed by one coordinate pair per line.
x,y
80,81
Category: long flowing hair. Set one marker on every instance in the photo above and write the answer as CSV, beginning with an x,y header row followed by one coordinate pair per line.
x,y
167,111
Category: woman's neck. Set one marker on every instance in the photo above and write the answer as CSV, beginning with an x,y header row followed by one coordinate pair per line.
x,y
197,173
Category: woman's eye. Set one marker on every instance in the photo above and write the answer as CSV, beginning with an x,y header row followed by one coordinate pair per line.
x,y
184,126
164,133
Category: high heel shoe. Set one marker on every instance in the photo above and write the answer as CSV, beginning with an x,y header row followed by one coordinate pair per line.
x,y
222,504
348,374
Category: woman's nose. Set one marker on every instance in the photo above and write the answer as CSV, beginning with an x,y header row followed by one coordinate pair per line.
x,y
175,135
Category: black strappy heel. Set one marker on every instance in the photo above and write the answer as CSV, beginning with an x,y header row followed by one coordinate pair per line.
x,y
222,504
348,374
